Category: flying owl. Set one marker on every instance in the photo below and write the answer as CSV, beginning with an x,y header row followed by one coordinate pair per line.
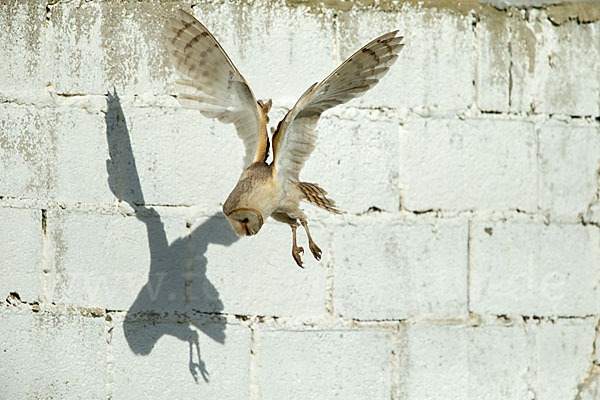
x,y
210,83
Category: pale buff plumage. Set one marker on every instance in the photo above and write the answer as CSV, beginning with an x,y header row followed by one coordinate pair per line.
x,y
210,83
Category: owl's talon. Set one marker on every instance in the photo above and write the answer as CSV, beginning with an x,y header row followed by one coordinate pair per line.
x,y
315,250
296,253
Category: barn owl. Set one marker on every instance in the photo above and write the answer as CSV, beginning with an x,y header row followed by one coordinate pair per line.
x,y
210,83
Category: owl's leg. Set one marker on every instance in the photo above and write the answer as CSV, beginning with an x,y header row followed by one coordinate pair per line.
x,y
296,250
315,250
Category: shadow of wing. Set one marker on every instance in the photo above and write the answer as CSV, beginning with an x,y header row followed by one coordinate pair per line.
x,y
177,283
123,178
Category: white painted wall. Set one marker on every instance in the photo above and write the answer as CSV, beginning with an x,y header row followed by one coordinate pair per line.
x,y
479,278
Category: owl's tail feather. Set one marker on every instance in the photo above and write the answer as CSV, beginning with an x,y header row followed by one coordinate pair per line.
x,y
314,194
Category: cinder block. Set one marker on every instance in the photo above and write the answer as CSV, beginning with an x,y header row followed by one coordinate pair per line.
x,y
52,355
564,357
22,68
180,157
569,158
162,155
79,155
356,161
97,46
21,249
434,69
157,155
492,81
27,147
530,268
458,362
472,164
257,275
78,60
386,268
324,364
432,357
154,360
54,153
106,260
501,363
545,78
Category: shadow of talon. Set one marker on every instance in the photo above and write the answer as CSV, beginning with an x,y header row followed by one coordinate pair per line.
x,y
199,366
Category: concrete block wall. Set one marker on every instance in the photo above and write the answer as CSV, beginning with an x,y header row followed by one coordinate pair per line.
x,y
465,264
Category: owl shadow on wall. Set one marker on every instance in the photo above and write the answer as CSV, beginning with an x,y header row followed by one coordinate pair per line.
x,y
177,287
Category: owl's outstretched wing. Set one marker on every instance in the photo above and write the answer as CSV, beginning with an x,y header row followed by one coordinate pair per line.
x,y
212,84
295,137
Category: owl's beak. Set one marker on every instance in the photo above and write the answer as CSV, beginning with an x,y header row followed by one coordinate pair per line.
x,y
248,231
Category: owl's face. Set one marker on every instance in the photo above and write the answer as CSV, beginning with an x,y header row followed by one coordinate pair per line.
x,y
245,221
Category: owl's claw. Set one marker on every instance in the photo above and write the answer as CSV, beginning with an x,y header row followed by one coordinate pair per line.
x,y
296,252
315,250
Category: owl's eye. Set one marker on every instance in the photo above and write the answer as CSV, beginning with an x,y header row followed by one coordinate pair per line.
x,y
244,221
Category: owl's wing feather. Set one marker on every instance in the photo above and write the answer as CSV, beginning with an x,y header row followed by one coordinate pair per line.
x,y
296,136
210,83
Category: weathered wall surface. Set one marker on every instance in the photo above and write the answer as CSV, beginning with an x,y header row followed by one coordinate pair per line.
x,y
466,264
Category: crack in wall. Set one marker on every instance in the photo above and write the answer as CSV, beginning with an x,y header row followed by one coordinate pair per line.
x,y
160,102
254,386
330,287
475,59
510,64
47,256
294,323
469,263
547,217
110,356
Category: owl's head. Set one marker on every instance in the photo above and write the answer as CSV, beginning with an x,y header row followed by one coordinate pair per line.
x,y
245,221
